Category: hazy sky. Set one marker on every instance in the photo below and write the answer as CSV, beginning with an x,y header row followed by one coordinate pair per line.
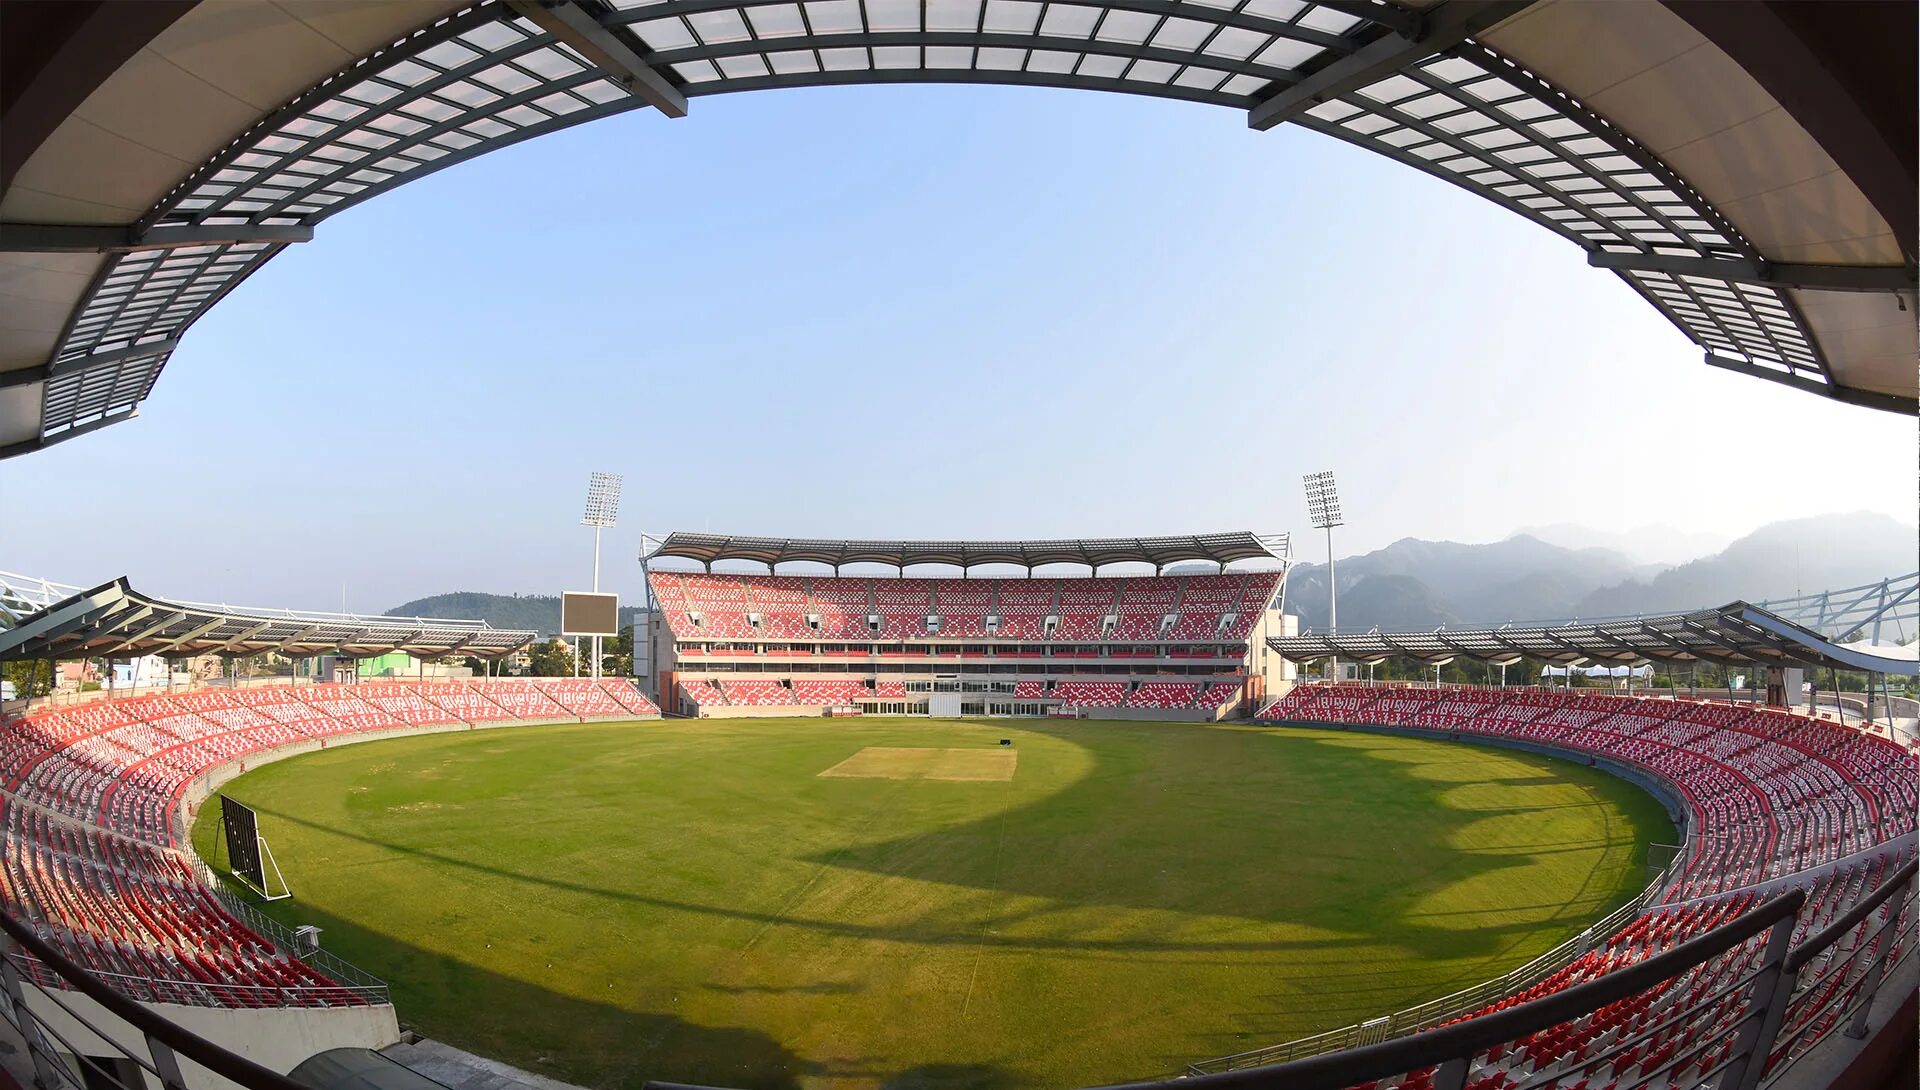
x,y
912,311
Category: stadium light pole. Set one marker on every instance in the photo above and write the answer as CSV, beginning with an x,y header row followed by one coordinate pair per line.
x,y
1323,509
603,510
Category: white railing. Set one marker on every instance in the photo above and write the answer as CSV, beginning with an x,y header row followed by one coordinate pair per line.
x,y
1455,1004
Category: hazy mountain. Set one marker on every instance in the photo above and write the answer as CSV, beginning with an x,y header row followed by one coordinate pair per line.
x,y
1656,544
1776,561
539,612
1428,583
1416,584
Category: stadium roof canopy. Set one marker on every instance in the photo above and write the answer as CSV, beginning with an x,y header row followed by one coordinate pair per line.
x,y
1734,634
113,619
1749,169
1222,548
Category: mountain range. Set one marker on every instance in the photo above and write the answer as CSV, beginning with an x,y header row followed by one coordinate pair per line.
x,y
539,612
1655,543
1415,584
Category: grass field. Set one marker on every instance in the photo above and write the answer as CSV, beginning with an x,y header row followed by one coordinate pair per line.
x,y
696,901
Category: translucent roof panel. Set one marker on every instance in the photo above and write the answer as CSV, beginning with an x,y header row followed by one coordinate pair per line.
x,y
1736,633
1480,121
487,76
1218,53
113,618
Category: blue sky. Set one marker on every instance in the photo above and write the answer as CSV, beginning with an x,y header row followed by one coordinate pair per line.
x,y
913,311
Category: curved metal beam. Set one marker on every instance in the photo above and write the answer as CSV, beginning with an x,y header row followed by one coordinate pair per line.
x,y
606,50
1441,28
1867,278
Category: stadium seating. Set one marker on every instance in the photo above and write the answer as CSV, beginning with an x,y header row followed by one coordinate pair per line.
x,y
708,607
718,620
1218,694
1771,797
1091,694
757,694
963,606
1024,607
810,692
92,851
586,698
1164,694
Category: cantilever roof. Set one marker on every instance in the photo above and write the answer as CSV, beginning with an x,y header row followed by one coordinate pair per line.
x,y
1736,633
1748,169
115,619
1223,548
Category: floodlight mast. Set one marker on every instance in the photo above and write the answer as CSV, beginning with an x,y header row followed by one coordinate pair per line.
x,y
1323,508
603,510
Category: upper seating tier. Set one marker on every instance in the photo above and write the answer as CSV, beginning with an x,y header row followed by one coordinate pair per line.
x,y
708,608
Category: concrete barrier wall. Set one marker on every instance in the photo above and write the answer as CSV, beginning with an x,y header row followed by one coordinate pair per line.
x,y
278,1038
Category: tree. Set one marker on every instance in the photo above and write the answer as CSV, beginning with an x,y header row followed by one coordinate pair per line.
x,y
29,678
616,659
552,659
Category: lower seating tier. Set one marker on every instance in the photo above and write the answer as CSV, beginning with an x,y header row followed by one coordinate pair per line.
x,y
92,855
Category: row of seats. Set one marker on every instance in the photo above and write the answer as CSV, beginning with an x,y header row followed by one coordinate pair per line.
x,y
706,607
92,853
1685,1025
813,692
1773,797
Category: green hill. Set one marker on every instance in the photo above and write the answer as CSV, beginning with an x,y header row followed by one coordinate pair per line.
x,y
539,612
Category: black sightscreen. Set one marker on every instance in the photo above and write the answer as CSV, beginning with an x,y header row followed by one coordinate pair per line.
x,y
584,613
243,841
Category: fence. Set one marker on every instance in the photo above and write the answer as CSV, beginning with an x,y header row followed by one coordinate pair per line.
x,y
1451,1006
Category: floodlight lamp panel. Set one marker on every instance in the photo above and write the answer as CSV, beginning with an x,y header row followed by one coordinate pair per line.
x,y
1323,500
603,500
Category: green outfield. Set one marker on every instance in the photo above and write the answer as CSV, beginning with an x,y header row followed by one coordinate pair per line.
x,y
902,903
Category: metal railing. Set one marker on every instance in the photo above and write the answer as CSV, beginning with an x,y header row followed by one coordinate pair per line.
x,y
59,1062
1442,1058
1453,1005
1752,1023
346,975
1830,985
350,985
200,993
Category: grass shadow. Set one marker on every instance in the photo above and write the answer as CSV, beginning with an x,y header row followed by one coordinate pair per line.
x,y
606,1045
1145,809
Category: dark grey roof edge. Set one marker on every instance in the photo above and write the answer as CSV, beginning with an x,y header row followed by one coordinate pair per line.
x,y
1222,547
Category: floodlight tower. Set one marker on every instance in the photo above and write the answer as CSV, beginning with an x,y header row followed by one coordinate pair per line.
x,y
603,510
1323,508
